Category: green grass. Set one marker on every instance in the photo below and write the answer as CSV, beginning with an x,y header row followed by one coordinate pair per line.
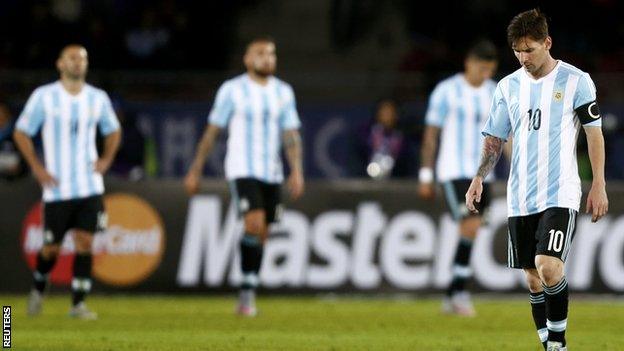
x,y
292,323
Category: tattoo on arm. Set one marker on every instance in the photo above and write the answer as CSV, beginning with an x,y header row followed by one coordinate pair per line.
x,y
292,143
492,149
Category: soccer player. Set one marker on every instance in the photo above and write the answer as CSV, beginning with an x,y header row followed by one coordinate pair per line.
x,y
260,113
458,109
543,104
68,112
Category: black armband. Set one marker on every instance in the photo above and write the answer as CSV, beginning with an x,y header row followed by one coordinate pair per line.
x,y
588,113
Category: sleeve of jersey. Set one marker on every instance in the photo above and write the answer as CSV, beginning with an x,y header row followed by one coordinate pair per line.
x,y
108,122
223,107
33,115
290,118
585,104
437,108
498,124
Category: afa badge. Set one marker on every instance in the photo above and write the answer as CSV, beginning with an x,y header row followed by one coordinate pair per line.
x,y
558,96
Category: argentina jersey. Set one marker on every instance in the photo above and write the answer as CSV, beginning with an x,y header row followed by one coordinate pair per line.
x,y
256,116
68,130
540,114
460,111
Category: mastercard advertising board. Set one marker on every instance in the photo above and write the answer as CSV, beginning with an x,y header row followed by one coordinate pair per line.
x,y
125,254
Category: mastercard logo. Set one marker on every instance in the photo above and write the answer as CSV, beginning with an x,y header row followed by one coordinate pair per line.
x,y
124,254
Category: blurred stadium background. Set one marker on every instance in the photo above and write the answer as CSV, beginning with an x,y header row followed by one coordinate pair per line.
x,y
373,242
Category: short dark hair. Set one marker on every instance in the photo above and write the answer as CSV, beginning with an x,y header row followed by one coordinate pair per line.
x,y
260,39
530,23
483,49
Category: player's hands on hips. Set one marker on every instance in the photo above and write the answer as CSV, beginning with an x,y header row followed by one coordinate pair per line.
x,y
102,165
191,183
426,191
597,202
474,194
44,178
295,185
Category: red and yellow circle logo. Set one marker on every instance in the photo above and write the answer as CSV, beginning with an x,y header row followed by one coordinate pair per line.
x,y
124,254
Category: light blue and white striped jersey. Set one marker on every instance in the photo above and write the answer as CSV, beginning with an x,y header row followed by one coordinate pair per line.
x,y
68,129
460,110
540,115
256,116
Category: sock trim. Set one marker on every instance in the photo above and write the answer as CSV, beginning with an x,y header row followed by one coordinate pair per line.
x,y
557,288
465,241
462,271
537,299
250,240
251,280
40,277
543,334
557,326
81,284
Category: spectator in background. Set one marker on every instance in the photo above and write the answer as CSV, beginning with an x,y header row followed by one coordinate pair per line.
x,y
12,164
614,143
384,145
147,42
130,159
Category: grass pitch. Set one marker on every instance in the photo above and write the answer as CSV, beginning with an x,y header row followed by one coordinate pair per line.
x,y
303,323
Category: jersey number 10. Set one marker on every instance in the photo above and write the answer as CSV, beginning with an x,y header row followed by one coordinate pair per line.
x,y
555,242
535,119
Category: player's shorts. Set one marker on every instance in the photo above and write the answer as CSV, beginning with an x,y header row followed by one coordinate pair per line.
x,y
252,194
60,216
547,233
455,194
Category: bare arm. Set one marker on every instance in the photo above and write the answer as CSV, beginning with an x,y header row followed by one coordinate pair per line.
x,y
429,147
427,159
596,148
27,148
292,144
111,146
294,154
204,147
492,150
597,202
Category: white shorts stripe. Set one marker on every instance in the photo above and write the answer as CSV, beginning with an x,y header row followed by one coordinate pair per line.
x,y
569,234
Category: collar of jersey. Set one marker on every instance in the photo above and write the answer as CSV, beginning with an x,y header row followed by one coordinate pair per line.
x,y
550,74
75,97
258,85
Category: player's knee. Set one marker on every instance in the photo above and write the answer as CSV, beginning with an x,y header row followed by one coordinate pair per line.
x,y
470,226
256,228
550,272
50,251
83,241
255,224
533,281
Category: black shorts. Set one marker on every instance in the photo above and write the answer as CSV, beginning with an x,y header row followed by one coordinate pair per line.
x,y
252,194
455,194
547,233
60,216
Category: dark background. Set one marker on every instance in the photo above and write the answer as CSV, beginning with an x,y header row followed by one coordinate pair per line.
x,y
341,56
